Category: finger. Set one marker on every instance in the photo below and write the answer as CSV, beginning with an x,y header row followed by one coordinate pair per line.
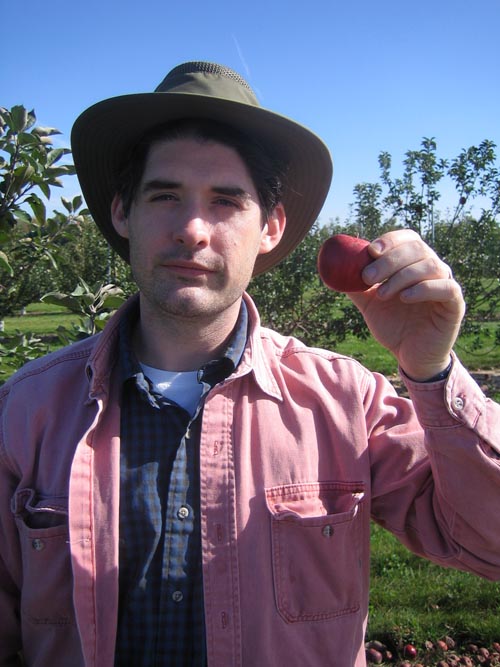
x,y
390,258
397,249
396,275
390,240
445,291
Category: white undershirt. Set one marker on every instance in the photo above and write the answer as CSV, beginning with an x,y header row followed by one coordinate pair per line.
x,y
181,387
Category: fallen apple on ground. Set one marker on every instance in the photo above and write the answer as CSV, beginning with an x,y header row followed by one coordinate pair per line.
x,y
443,653
410,651
341,260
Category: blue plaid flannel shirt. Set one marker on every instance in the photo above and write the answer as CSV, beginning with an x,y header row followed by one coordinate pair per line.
x,y
161,614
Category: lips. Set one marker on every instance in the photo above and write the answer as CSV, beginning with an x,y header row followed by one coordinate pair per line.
x,y
187,267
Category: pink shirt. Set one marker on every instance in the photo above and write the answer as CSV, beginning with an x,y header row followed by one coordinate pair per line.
x,y
298,449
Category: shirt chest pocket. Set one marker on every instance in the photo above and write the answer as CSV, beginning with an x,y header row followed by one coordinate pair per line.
x,y
318,549
46,596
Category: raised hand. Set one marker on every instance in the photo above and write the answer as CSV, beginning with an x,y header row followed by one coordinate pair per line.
x,y
414,307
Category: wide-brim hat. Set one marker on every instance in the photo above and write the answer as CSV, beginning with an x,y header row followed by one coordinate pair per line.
x,y
104,135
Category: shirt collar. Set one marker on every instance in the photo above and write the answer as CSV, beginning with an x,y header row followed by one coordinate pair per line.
x,y
211,373
219,369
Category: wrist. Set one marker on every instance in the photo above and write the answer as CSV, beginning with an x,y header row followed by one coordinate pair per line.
x,y
434,376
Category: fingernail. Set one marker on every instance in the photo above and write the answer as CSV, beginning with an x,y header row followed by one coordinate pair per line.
x,y
370,273
382,289
377,245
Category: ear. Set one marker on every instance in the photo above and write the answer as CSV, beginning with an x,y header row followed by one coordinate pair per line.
x,y
118,217
273,230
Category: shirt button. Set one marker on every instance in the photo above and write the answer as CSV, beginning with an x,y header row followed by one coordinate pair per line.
x,y
177,596
458,403
183,512
38,544
327,531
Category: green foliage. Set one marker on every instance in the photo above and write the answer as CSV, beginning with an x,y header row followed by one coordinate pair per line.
x,y
469,243
30,238
292,299
18,348
89,256
475,174
411,198
43,253
367,210
93,305
472,248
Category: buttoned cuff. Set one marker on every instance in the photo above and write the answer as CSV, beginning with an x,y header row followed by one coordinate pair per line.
x,y
456,402
455,399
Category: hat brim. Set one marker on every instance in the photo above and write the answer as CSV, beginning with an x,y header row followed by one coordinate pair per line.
x,y
104,134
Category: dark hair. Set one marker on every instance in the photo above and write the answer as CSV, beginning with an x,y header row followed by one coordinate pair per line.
x,y
267,172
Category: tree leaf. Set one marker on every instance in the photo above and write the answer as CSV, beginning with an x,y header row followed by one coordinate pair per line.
x,y
4,264
27,139
45,189
60,299
45,131
22,216
31,119
55,154
38,207
18,118
67,204
113,301
50,257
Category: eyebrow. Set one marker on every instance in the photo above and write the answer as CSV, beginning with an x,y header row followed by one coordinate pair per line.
x,y
228,190
158,184
231,192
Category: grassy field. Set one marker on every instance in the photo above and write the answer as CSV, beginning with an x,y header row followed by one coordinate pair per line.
x,y
411,599
40,319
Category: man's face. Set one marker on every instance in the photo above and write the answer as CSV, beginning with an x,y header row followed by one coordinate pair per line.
x,y
195,228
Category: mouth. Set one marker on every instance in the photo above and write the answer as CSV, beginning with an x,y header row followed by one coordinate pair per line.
x,y
187,268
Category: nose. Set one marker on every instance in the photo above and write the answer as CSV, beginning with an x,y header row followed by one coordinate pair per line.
x,y
193,229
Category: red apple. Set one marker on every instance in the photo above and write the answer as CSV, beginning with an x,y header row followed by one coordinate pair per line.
x,y
410,651
374,656
341,260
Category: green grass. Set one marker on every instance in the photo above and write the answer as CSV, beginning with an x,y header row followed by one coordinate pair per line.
x,y
370,353
475,352
40,319
415,600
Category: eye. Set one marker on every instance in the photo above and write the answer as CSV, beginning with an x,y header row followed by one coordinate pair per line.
x,y
224,201
163,196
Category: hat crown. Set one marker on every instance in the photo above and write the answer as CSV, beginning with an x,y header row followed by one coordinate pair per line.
x,y
209,79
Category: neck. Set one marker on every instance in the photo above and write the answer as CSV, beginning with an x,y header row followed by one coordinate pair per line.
x,y
182,344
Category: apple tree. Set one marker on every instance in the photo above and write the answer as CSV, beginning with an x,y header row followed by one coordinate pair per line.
x,y
30,166
469,241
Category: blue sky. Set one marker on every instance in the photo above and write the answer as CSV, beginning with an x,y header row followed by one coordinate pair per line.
x,y
366,76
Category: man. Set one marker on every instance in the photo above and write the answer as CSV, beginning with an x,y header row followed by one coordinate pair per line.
x,y
189,488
